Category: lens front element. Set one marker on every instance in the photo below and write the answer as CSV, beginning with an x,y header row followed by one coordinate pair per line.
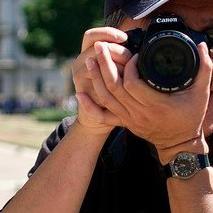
x,y
170,61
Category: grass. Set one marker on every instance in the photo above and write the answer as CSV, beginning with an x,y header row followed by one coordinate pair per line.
x,y
24,130
51,114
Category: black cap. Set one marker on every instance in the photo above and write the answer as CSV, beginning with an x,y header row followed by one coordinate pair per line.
x,y
136,9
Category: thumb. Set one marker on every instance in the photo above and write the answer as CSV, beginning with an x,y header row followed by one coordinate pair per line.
x,y
205,72
131,71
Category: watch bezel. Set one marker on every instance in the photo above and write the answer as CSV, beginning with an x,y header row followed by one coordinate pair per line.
x,y
180,155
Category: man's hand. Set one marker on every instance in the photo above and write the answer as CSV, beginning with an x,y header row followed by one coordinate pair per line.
x,y
120,55
90,115
208,122
166,120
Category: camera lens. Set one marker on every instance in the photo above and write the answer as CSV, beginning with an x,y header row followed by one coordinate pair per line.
x,y
169,58
169,62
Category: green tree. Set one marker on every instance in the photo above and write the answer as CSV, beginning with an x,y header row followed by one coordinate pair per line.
x,y
56,26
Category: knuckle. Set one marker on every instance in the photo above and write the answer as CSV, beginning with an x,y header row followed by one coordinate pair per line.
x,y
127,85
76,64
126,55
207,64
75,80
77,76
114,87
88,33
108,28
104,100
110,33
210,64
72,67
101,59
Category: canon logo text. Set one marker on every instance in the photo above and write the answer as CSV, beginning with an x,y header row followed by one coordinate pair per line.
x,y
166,20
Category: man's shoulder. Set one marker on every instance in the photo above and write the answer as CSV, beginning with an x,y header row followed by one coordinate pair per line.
x,y
52,141
112,144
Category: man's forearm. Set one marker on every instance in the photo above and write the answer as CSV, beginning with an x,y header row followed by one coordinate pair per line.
x,y
194,195
60,184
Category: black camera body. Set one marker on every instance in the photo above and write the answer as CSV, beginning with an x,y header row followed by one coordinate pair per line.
x,y
168,55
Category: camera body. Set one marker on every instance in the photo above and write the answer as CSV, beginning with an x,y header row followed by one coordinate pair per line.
x,y
168,55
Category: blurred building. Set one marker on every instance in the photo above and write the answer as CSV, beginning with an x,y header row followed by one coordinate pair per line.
x,y
22,77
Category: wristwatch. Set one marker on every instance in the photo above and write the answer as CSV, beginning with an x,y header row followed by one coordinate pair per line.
x,y
185,165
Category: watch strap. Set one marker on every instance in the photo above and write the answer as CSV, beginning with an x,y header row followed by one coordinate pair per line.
x,y
203,161
167,171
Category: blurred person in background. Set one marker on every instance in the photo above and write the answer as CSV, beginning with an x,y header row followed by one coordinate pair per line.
x,y
114,156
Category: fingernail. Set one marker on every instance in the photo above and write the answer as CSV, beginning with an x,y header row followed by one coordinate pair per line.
x,y
135,57
122,36
98,49
90,63
204,45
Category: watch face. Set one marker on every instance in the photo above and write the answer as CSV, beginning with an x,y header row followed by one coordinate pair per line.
x,y
185,165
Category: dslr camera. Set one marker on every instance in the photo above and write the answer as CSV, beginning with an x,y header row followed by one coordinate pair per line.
x,y
168,55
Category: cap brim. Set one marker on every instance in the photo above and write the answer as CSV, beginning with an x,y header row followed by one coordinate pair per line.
x,y
142,8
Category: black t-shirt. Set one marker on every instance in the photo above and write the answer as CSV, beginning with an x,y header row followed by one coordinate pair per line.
x,y
128,177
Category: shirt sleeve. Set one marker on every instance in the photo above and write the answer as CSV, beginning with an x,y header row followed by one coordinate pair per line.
x,y
51,142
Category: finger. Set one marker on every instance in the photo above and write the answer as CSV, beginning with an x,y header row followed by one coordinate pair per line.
x,y
107,66
119,53
111,77
120,69
120,56
78,67
107,34
203,79
103,94
87,107
136,87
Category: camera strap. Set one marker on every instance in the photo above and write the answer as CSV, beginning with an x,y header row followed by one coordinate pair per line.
x,y
210,37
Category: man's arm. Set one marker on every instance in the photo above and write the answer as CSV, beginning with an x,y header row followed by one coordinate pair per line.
x,y
194,195
164,120
60,183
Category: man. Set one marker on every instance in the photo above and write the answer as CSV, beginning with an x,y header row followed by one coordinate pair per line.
x,y
129,172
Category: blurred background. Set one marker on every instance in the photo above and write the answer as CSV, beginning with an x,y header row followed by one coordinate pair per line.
x,y
38,41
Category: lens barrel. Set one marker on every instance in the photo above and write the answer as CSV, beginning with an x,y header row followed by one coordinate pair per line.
x,y
169,61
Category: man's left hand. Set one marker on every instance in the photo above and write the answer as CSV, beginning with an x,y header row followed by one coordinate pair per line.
x,y
166,120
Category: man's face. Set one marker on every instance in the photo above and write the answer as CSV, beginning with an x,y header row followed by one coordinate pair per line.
x,y
197,14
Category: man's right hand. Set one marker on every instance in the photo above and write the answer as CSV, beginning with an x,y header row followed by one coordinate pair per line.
x,y
120,55
90,115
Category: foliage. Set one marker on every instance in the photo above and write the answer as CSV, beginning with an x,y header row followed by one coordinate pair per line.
x,y
51,114
56,27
